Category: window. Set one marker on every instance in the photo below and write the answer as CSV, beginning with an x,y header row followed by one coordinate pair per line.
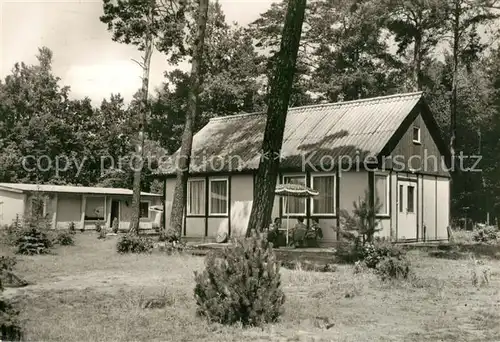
x,y
295,205
144,210
382,193
94,208
218,204
324,203
416,135
411,199
196,197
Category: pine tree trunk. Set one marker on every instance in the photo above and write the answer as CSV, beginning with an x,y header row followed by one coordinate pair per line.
x,y
180,193
139,146
281,86
417,60
456,42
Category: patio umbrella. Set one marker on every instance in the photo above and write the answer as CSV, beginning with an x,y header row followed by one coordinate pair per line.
x,y
293,190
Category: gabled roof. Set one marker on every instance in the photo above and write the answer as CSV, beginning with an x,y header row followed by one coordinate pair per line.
x,y
19,187
329,131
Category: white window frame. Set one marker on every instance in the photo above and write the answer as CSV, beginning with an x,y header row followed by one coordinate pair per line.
x,y
387,192
418,140
149,211
284,202
188,204
210,181
319,175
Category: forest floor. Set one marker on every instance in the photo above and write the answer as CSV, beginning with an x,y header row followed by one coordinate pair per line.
x,y
89,292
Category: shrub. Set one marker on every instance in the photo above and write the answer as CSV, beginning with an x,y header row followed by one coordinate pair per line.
x,y
65,238
10,327
349,252
393,268
134,244
72,228
34,237
114,225
170,235
487,234
8,278
33,242
373,253
243,285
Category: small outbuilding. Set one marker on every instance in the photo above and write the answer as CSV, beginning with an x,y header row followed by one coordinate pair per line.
x,y
81,205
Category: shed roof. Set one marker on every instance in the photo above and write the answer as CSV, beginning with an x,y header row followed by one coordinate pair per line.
x,y
20,187
315,134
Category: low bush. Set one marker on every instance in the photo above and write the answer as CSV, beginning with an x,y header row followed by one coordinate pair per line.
x,y
7,276
485,235
373,253
114,225
349,252
134,244
170,235
72,228
98,227
243,285
393,268
10,327
33,241
65,238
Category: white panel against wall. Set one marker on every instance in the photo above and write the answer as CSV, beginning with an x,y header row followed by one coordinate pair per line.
x,y
240,214
352,186
241,205
420,213
429,207
443,207
394,204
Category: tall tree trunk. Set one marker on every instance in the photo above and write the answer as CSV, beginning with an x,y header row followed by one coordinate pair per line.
x,y
180,193
417,63
456,42
281,86
139,146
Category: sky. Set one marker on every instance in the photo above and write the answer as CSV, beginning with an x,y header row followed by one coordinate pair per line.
x,y
85,57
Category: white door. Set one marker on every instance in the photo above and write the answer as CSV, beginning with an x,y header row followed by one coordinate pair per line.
x,y
407,210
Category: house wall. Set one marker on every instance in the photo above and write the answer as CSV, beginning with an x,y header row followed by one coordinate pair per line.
x,y
424,156
70,207
432,207
12,204
126,211
68,210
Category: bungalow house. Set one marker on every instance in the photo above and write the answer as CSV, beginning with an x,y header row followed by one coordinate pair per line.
x,y
389,147
84,206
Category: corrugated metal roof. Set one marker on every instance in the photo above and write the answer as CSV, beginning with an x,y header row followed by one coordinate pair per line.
x,y
329,131
70,189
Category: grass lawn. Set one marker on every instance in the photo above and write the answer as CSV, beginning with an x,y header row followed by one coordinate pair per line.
x,y
88,292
